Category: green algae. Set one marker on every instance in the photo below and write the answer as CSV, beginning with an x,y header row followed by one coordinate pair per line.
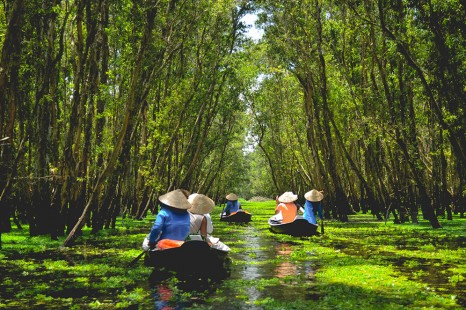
x,y
364,263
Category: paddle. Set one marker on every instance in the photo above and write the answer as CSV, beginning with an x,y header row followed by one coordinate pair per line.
x,y
221,213
134,261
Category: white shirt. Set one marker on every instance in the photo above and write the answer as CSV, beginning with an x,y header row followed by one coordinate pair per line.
x,y
196,221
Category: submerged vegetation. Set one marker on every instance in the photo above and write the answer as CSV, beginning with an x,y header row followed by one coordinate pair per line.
x,y
364,264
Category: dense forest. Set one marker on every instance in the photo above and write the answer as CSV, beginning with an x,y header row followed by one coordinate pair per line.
x,y
104,105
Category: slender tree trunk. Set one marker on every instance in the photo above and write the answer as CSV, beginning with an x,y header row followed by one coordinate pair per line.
x,y
457,140
340,197
70,188
132,107
9,101
311,135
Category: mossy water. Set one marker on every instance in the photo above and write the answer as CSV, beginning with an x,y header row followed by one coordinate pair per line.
x,y
361,264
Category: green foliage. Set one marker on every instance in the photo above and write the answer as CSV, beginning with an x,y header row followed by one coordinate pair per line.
x,y
353,98
363,263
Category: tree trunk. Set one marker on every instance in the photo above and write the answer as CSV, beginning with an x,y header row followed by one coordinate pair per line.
x,y
132,107
341,200
9,101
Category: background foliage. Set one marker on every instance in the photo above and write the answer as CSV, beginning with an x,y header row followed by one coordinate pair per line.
x,y
107,104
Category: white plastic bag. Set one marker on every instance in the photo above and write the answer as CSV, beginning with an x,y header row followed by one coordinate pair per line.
x,y
219,245
145,244
277,217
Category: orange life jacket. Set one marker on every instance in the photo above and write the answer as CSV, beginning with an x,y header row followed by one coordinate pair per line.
x,y
168,244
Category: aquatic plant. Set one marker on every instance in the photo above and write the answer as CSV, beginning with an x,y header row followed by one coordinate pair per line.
x,y
364,263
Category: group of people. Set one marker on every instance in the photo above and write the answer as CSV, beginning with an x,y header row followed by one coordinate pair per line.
x,y
182,214
287,208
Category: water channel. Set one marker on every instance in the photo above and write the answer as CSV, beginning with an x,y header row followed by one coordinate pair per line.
x,y
255,257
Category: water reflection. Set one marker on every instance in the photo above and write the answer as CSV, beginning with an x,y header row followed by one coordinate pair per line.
x,y
286,268
162,296
172,291
254,259
254,256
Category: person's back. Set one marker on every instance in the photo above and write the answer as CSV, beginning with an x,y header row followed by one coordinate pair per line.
x,y
232,207
313,204
309,212
289,210
233,204
200,221
287,207
195,223
170,224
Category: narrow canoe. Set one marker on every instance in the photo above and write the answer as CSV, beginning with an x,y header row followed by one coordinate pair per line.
x,y
240,216
300,227
192,258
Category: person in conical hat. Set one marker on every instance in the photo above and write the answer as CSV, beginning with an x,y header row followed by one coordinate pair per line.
x,y
233,205
199,213
313,204
201,222
232,197
172,221
287,207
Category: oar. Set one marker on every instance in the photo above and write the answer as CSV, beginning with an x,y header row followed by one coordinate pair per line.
x,y
134,261
221,214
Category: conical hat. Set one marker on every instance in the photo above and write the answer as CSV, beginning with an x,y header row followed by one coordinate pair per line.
x,y
231,196
288,197
185,192
175,199
201,204
314,195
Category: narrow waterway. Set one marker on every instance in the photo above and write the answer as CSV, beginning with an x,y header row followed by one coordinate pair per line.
x,y
260,268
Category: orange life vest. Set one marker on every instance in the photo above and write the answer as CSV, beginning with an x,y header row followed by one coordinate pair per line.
x,y
168,244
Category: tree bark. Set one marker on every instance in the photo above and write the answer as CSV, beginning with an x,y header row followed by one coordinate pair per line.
x,y
132,107
9,101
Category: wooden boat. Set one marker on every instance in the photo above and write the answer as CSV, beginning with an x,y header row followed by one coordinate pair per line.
x,y
300,227
240,216
192,258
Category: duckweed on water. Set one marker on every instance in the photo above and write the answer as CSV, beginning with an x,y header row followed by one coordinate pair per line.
x,y
360,264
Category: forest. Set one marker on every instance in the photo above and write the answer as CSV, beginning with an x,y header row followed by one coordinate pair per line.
x,y
105,105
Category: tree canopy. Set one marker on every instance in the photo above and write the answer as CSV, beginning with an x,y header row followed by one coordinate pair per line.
x,y
105,105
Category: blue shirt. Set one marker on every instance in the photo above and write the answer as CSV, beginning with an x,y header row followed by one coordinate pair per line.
x,y
232,206
170,224
309,211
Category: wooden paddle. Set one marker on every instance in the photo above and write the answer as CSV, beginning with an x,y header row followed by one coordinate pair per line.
x,y
134,261
223,209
